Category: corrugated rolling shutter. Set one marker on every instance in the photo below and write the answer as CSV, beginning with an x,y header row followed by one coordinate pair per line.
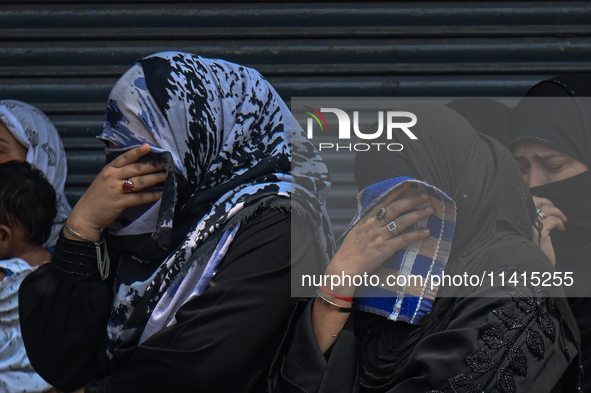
x,y
64,57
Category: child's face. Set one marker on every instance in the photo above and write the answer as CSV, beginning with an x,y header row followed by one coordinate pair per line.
x,y
13,240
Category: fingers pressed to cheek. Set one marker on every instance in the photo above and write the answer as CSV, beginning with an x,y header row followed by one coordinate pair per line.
x,y
391,197
403,240
395,194
138,169
396,208
142,198
553,211
149,180
539,202
406,220
552,222
131,156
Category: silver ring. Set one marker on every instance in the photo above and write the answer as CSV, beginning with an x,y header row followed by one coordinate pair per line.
x,y
541,214
393,228
391,224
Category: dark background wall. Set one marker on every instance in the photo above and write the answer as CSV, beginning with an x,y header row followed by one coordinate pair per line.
x,y
65,56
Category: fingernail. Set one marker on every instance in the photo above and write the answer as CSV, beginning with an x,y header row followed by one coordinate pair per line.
x,y
426,231
430,209
424,195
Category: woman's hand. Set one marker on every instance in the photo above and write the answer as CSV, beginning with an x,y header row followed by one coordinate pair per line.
x,y
370,242
105,199
365,249
553,219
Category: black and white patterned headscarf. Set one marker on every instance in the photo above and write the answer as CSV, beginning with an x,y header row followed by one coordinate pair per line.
x,y
33,129
227,138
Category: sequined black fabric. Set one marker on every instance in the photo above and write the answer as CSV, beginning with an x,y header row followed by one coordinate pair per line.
x,y
464,384
480,361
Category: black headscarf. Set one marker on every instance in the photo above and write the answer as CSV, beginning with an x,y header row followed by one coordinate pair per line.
x,y
556,113
495,215
486,115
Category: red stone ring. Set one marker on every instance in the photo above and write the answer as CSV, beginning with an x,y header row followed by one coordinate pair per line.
x,y
127,186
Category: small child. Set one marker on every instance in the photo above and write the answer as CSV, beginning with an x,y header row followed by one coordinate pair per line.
x,y
27,211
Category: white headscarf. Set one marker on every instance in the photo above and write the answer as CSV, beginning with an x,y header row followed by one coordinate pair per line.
x,y
33,129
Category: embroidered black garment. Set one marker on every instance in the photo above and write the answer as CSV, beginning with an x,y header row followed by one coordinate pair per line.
x,y
512,361
479,351
478,340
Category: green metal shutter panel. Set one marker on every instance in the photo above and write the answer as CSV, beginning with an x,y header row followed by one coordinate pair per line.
x,y
65,56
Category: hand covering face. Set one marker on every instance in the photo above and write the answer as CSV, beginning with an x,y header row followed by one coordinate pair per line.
x,y
409,300
33,129
225,138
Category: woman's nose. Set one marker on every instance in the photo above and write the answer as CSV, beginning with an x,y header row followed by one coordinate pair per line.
x,y
537,177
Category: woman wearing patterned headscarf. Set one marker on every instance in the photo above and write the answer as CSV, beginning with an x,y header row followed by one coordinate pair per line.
x,y
188,288
27,134
480,336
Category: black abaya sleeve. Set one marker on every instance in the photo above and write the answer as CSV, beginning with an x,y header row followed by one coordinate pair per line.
x,y
498,343
64,307
223,341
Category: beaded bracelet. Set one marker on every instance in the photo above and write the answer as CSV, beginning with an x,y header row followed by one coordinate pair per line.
x,y
333,294
103,264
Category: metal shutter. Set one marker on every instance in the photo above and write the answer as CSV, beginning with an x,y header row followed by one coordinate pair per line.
x,y
65,56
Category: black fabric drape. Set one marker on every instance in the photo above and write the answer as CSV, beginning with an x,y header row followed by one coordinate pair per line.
x,y
486,115
573,252
223,341
573,245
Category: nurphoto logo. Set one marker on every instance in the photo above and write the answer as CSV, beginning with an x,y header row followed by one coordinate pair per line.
x,y
394,120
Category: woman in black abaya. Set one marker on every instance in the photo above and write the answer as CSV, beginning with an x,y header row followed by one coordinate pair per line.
x,y
551,141
488,338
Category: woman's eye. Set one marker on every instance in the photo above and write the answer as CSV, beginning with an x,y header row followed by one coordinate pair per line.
x,y
523,169
555,168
